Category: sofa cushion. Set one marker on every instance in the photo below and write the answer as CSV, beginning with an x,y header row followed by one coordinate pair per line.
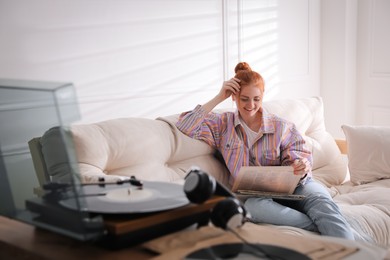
x,y
190,152
334,173
308,116
125,147
368,153
367,208
145,148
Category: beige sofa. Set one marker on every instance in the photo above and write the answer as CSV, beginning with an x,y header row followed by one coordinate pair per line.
x,y
156,150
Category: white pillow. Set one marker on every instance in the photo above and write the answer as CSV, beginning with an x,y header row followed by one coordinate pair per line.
x,y
368,152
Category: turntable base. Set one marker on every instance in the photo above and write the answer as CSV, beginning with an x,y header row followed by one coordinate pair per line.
x,y
122,224
124,230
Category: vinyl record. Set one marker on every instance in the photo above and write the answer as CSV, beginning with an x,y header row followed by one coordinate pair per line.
x,y
246,251
119,199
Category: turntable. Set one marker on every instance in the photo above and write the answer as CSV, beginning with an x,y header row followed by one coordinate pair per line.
x,y
122,213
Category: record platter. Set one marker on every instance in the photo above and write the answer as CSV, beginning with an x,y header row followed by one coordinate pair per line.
x,y
130,214
152,197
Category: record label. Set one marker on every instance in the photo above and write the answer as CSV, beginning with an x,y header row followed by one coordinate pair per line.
x,y
121,199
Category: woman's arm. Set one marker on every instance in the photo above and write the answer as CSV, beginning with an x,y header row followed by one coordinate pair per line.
x,y
296,154
230,87
199,124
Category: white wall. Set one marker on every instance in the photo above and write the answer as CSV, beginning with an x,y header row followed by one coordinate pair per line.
x,y
338,63
126,58
373,63
153,58
280,39
355,63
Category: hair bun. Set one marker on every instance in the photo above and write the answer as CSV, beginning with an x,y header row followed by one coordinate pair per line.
x,y
242,66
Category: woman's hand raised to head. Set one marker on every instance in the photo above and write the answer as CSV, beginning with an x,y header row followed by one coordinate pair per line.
x,y
229,87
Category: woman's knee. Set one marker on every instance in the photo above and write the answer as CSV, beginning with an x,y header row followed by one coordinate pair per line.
x,y
313,190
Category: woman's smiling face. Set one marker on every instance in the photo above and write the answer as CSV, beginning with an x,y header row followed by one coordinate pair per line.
x,y
249,101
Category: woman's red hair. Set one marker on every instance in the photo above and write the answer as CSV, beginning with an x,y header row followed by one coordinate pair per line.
x,y
247,76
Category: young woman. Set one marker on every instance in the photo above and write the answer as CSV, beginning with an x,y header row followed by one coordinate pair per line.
x,y
252,136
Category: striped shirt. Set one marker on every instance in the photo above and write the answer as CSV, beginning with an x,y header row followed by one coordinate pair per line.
x,y
278,143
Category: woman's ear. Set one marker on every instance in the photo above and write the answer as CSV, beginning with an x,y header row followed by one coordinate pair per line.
x,y
234,97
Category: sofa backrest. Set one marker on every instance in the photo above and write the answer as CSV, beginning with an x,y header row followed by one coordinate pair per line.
x,y
145,148
308,116
156,150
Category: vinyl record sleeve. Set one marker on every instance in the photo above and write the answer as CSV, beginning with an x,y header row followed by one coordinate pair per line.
x,y
121,199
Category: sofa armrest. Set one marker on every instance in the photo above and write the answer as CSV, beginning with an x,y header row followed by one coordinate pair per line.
x,y
39,165
342,144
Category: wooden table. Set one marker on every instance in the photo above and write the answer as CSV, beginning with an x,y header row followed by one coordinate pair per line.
x,y
22,241
19,240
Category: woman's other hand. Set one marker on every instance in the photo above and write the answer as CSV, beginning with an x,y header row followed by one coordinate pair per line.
x,y
301,166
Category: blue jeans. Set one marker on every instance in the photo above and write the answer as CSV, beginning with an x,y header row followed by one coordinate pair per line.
x,y
317,212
